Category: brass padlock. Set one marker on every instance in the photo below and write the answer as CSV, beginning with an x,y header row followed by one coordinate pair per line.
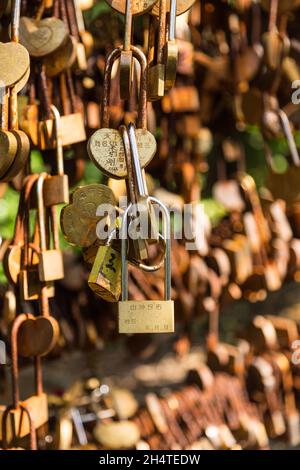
x,y
126,58
147,316
23,417
72,128
28,275
171,49
56,187
51,266
105,146
105,277
157,71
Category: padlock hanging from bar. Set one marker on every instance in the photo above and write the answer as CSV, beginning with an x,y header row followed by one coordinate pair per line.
x,y
147,316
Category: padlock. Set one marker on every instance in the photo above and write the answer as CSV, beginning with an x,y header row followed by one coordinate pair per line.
x,y
30,285
14,144
56,187
144,205
126,58
146,316
8,141
26,253
139,243
23,144
105,276
171,49
138,7
157,71
23,417
105,146
12,256
51,266
72,129
38,335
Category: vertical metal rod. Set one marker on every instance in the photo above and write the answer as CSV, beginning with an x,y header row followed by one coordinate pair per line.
x,y
136,161
15,20
172,20
128,26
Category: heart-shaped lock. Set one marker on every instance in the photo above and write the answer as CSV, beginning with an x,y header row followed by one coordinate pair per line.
x,y
8,150
43,37
181,7
77,230
106,150
12,262
21,156
37,336
14,59
87,199
79,218
62,59
138,7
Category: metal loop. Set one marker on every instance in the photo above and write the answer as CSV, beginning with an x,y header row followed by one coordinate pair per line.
x,y
142,111
167,259
41,210
58,139
285,124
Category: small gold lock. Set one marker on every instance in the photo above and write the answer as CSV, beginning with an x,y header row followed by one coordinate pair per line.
x,y
105,277
146,316
56,187
156,82
51,266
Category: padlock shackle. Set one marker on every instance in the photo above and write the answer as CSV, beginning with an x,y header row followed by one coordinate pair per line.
x,y
172,20
128,26
25,409
19,320
29,184
127,153
15,20
41,211
58,139
161,40
137,171
286,127
273,15
22,208
167,259
110,60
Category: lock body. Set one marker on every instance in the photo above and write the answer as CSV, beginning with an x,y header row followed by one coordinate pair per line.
x,y
156,82
18,423
71,127
105,277
147,316
125,74
30,287
171,64
56,190
51,267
